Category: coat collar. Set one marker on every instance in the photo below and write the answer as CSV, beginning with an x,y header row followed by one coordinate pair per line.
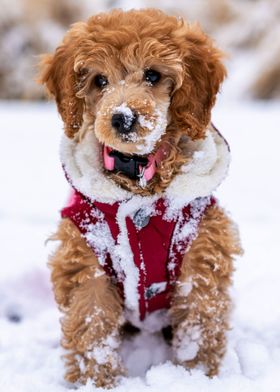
x,y
208,166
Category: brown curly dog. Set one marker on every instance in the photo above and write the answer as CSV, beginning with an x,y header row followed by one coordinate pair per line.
x,y
142,239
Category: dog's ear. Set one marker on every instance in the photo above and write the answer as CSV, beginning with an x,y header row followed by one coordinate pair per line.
x,y
58,75
203,70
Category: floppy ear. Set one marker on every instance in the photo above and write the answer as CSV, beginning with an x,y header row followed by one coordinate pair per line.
x,y
191,104
57,74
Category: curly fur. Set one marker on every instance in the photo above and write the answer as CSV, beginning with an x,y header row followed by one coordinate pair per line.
x,y
122,45
208,268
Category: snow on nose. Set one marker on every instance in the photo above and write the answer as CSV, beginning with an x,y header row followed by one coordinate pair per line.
x,y
123,119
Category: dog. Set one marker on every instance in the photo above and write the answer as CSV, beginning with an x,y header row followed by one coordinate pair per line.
x,y
142,238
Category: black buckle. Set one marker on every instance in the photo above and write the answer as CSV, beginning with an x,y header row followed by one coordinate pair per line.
x,y
128,165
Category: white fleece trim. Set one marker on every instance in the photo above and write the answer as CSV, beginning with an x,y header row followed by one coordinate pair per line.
x,y
200,177
123,252
208,167
82,162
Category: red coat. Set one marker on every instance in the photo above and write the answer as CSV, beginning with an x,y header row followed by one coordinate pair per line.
x,y
158,244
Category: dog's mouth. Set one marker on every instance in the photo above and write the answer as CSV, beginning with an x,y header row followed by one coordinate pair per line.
x,y
135,167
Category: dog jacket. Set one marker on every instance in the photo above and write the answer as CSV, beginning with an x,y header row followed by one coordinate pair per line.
x,y
157,243
140,241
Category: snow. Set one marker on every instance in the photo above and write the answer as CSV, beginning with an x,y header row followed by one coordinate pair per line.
x,y
156,124
186,287
126,111
155,288
105,351
129,118
99,237
33,189
189,343
185,231
124,252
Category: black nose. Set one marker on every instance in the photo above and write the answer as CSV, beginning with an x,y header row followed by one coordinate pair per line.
x,y
123,123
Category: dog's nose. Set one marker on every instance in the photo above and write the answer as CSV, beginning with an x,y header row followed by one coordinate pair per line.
x,y
124,123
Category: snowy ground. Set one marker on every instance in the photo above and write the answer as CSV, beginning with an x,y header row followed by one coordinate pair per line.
x,y
33,190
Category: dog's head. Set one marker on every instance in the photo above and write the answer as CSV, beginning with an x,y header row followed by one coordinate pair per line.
x,y
139,80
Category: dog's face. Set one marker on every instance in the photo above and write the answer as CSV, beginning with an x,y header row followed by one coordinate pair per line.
x,y
127,100
137,79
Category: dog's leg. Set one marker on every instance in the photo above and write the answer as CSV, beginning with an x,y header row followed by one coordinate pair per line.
x,y
92,310
201,303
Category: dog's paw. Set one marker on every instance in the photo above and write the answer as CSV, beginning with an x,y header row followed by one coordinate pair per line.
x,y
103,374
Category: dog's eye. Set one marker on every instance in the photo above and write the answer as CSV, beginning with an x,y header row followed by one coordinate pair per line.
x,y
152,76
100,81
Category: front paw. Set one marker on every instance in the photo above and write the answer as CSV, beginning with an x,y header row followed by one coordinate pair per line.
x,y
101,375
98,365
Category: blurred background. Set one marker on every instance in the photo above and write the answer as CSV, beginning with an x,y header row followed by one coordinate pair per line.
x,y
33,190
248,31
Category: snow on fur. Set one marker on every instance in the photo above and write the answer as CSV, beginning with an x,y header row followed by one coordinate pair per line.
x,y
126,111
98,235
187,341
105,351
156,124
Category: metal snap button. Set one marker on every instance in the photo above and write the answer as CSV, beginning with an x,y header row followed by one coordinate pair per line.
x,y
141,219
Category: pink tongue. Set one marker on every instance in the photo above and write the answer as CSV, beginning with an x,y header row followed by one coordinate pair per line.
x,y
150,169
109,162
